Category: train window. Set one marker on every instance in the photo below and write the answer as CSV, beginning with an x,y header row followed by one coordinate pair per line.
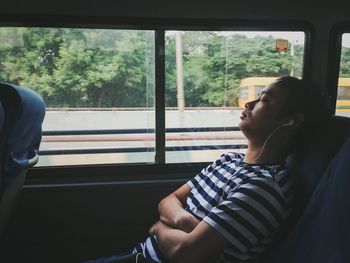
x,y
243,93
209,76
343,93
98,85
99,88
258,90
343,98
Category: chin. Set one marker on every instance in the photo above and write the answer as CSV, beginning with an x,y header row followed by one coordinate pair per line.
x,y
246,129
243,128
242,125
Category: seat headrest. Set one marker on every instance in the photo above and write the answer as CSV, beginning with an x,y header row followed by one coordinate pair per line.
x,y
24,112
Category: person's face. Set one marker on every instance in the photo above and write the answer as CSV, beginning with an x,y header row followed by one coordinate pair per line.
x,y
263,115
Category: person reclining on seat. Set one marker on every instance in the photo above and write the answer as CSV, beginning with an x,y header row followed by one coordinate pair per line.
x,y
232,210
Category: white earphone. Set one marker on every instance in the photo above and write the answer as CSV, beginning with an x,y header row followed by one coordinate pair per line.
x,y
288,124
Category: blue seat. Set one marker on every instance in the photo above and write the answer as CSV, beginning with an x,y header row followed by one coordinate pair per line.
x,y
310,161
23,112
320,228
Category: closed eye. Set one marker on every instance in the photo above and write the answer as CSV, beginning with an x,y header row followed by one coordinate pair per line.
x,y
263,98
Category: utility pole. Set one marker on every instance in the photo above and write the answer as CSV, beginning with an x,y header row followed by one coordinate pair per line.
x,y
292,56
179,72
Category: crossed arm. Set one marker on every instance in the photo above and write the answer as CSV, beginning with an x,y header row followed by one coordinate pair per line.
x,y
180,236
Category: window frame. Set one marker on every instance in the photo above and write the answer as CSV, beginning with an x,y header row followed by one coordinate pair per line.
x,y
159,26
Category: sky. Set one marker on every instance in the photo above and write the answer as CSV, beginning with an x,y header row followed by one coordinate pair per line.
x,y
346,40
296,37
293,37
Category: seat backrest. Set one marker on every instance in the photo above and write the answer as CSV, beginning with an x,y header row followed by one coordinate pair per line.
x,y
24,111
311,165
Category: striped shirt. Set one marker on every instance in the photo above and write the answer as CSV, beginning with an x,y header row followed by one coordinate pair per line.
x,y
245,203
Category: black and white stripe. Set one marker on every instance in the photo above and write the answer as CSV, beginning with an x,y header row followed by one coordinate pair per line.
x,y
246,203
255,203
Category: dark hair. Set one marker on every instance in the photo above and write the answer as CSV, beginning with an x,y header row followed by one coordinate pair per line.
x,y
308,98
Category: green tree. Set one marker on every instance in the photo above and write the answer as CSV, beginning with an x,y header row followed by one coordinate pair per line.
x,y
344,70
82,68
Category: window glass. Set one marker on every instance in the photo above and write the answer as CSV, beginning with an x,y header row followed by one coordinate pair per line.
x,y
209,75
343,99
243,93
258,90
343,93
98,86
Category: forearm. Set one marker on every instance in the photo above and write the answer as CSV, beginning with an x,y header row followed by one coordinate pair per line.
x,y
172,213
170,242
201,244
170,208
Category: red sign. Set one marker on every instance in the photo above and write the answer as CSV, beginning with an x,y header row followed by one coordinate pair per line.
x,y
281,44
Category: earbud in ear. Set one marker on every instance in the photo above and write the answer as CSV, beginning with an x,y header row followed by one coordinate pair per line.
x,y
288,124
